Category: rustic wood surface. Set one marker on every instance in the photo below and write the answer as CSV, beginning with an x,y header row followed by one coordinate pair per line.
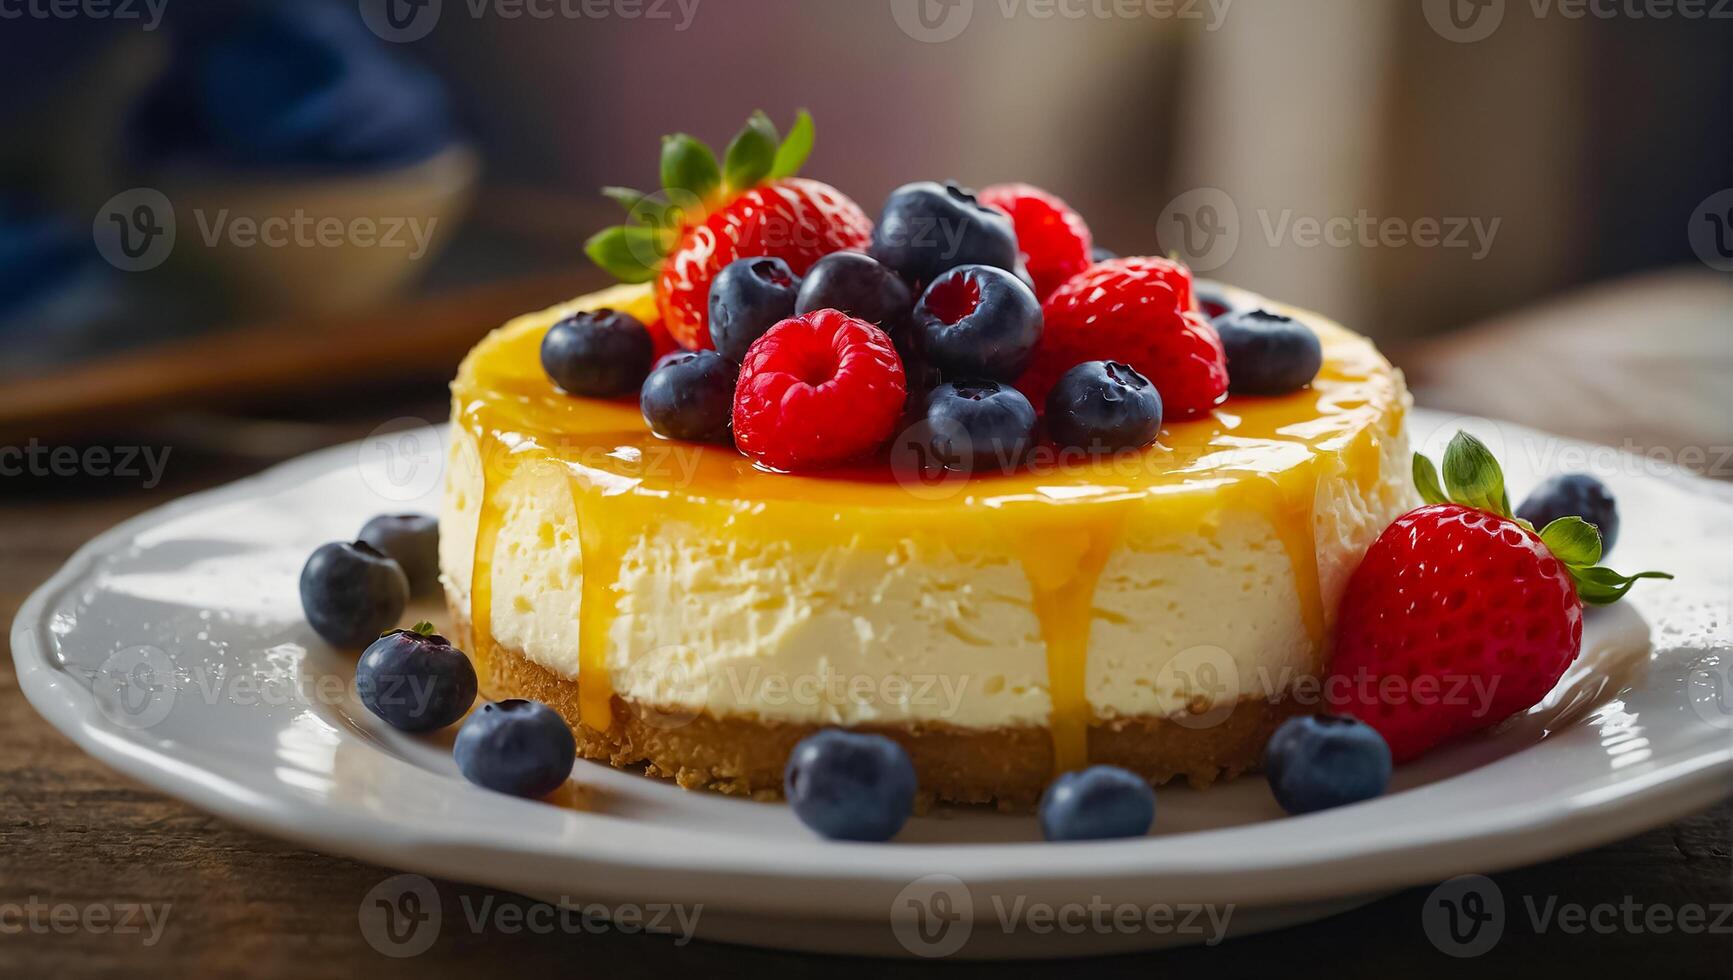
x,y
75,833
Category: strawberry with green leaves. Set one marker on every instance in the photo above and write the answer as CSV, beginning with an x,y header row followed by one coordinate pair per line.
x,y
709,214
1461,614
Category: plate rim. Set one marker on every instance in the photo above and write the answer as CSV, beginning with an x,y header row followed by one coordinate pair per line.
x,y
1538,830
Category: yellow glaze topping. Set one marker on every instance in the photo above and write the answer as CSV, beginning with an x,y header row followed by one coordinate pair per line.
x,y
1061,519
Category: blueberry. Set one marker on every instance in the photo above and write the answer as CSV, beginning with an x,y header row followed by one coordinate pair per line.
x,y
1316,762
598,354
519,747
979,426
1098,803
415,680
1574,495
1103,406
927,229
411,540
976,321
1268,353
690,396
857,284
1213,298
1099,254
848,786
747,298
351,593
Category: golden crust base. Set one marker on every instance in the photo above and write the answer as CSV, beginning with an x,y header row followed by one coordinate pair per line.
x,y
1008,767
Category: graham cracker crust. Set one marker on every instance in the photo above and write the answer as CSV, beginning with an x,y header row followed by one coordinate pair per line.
x,y
1007,767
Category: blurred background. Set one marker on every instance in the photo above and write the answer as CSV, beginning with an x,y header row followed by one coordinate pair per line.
x,y
250,228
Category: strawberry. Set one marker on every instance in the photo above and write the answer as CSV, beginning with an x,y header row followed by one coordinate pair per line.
x,y
1137,311
706,216
1462,615
1053,240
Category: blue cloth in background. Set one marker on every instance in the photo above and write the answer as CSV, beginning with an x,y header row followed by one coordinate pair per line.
x,y
295,84
40,254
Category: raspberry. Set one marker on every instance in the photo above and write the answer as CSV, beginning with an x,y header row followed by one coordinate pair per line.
x,y
816,390
1137,311
1053,239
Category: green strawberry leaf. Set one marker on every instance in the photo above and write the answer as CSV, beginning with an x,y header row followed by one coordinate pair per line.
x,y
1473,477
751,155
641,208
792,154
630,253
1426,481
423,628
689,166
1573,541
1601,586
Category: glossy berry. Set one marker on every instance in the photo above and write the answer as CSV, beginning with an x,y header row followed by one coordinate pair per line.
x,y
817,390
748,297
1098,803
1137,311
1316,762
976,321
927,229
598,354
850,786
1102,406
415,680
351,593
857,284
690,396
796,220
519,747
411,540
978,426
1445,597
1052,239
1574,495
1213,298
1268,353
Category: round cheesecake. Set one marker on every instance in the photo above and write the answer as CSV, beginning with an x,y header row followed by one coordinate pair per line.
x,y
695,616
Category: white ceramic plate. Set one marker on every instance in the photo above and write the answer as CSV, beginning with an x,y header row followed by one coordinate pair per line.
x,y
255,722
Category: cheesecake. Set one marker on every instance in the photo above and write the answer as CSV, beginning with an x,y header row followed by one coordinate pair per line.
x,y
695,616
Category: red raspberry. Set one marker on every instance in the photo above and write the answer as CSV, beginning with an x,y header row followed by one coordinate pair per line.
x,y
1053,238
794,219
1137,311
816,390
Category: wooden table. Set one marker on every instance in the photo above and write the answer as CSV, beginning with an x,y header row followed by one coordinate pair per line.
x,y
75,833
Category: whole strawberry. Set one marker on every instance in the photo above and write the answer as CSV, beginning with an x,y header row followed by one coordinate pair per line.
x,y
708,215
1136,311
1461,615
1054,242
